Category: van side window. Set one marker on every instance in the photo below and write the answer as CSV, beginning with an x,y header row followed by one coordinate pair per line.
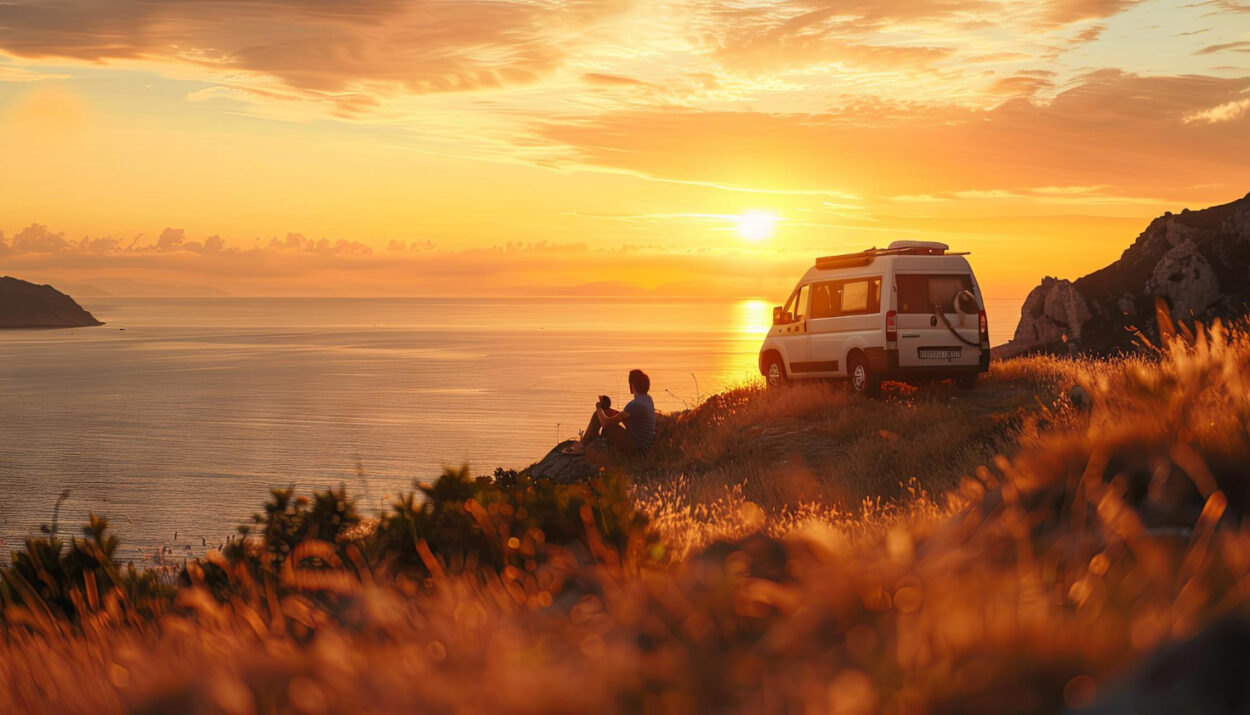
x,y
822,300
797,305
918,293
854,297
860,296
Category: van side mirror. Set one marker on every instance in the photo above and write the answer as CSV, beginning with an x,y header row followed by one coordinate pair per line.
x,y
779,316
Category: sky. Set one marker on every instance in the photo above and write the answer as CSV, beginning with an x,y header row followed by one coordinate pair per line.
x,y
618,147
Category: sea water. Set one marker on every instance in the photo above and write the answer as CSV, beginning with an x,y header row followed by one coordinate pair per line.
x,y
175,418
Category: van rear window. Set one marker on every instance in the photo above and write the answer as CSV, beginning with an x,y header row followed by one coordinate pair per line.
x,y
918,293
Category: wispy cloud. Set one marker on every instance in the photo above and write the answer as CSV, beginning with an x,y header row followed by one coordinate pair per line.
x,y
1226,112
1239,46
341,53
10,73
1109,127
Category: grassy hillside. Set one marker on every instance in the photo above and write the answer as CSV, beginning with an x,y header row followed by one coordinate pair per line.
x,y
817,451
938,551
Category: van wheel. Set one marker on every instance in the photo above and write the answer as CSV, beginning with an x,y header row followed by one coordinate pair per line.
x,y
967,382
863,381
775,372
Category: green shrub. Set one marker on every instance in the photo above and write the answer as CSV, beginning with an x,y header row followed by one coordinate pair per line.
x,y
510,522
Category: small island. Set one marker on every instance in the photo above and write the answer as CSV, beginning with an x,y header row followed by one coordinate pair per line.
x,y
27,305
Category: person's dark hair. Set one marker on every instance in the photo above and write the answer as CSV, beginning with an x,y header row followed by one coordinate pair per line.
x,y
639,381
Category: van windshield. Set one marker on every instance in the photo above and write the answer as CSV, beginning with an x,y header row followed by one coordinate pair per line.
x,y
918,293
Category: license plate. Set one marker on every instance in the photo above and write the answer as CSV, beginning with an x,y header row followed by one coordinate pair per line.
x,y
939,353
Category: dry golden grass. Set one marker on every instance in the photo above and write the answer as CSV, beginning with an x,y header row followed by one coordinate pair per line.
x,y
813,451
1035,585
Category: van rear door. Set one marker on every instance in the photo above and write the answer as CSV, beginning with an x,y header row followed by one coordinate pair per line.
x,y
931,332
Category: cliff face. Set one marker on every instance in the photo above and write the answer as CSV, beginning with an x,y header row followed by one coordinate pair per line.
x,y
1198,262
26,305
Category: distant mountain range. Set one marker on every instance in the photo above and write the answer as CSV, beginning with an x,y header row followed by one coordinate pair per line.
x,y
1196,262
27,305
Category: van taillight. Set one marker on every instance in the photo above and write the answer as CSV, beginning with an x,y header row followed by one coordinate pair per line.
x,y
984,329
891,330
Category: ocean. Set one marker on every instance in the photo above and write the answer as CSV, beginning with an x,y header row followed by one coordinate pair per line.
x,y
175,418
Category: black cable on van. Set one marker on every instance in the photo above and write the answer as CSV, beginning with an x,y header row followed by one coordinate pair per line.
x,y
937,310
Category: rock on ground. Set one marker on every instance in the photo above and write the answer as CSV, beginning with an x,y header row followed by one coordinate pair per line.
x,y
563,468
1053,314
1186,279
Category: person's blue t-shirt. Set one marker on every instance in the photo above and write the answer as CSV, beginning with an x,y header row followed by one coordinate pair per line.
x,y
641,421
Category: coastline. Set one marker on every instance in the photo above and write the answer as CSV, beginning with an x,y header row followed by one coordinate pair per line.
x,y
1028,568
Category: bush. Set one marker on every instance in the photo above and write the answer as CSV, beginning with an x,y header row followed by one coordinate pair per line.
x,y
50,580
466,524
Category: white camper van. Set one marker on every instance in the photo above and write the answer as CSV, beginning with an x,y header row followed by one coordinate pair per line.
x,y
912,311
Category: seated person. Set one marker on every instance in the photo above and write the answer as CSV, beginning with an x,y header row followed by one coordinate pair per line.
x,y
631,430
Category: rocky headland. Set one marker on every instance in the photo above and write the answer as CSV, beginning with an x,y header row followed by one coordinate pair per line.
x,y
28,305
1197,263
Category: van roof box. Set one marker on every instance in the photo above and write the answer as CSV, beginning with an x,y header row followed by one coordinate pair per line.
x,y
897,248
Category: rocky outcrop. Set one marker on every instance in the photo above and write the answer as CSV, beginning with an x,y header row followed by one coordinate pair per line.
x,y
1196,262
27,305
1185,278
563,468
1054,313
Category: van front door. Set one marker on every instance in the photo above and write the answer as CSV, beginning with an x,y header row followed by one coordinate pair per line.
x,y
926,307
791,336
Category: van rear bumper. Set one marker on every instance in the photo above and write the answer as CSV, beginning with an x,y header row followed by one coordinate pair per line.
x,y
885,363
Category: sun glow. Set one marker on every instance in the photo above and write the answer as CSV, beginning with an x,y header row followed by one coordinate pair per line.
x,y
752,318
756,225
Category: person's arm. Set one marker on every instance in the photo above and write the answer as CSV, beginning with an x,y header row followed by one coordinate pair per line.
x,y
605,420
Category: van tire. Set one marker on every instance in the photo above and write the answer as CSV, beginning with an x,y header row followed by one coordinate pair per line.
x,y
862,379
775,371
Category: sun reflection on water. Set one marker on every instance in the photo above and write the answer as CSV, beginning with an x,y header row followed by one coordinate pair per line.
x,y
751,318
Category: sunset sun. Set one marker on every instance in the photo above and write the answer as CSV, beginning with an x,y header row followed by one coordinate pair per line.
x,y
756,225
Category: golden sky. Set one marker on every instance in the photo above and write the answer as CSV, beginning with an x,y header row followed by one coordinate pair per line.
x,y
426,147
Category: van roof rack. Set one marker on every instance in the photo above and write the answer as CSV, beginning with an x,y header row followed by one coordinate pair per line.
x,y
897,248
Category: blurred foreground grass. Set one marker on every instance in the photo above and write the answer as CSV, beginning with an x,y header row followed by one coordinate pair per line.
x,y
937,551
